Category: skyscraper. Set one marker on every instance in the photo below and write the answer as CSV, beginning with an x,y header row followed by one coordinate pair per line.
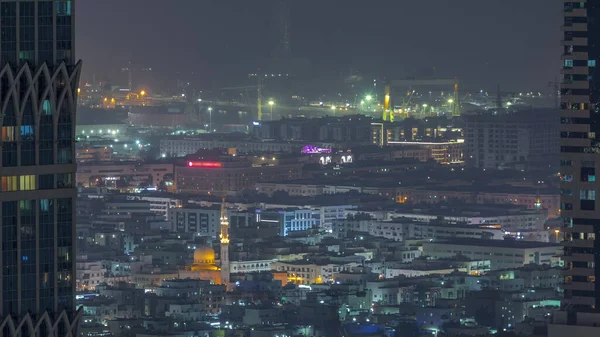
x,y
580,144
580,158
282,26
38,95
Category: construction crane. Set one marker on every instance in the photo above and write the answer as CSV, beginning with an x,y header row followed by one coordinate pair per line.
x,y
456,102
555,85
259,94
411,83
130,70
388,114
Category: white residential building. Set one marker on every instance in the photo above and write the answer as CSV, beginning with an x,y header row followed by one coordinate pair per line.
x,y
501,253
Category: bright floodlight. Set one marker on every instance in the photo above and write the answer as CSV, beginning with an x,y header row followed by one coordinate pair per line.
x,y
271,103
368,98
333,107
450,101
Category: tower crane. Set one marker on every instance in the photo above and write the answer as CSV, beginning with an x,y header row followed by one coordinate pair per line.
x,y
259,94
388,114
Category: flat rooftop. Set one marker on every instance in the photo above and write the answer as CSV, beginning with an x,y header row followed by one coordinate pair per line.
x,y
464,210
495,243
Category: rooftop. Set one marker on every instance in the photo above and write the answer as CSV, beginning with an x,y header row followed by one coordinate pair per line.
x,y
496,243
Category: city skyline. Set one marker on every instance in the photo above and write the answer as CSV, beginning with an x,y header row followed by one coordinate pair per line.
x,y
286,168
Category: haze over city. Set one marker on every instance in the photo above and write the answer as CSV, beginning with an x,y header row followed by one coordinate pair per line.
x,y
485,43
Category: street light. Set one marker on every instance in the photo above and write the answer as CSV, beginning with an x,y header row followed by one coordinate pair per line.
x,y
199,108
271,103
369,98
333,109
209,118
450,101
143,93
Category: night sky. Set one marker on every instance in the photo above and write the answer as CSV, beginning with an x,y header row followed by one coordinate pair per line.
x,y
514,43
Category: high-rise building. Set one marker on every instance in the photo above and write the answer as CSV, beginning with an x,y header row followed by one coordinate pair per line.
x,y
522,138
38,94
580,148
282,26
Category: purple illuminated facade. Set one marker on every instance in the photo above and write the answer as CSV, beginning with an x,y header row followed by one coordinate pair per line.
x,y
311,149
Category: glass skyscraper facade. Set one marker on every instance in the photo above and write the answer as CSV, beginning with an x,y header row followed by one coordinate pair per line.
x,y
580,154
38,94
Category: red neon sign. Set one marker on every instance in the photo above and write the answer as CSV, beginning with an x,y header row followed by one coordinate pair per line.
x,y
208,164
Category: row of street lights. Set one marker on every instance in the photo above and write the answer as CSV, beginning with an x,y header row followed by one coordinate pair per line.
x,y
210,109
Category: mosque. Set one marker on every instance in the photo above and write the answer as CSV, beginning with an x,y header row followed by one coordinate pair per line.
x,y
204,266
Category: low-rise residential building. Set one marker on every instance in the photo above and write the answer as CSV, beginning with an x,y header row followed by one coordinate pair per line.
x,y
128,176
208,177
202,221
89,275
509,217
306,272
501,253
180,146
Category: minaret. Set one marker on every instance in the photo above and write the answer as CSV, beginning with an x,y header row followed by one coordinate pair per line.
x,y
224,237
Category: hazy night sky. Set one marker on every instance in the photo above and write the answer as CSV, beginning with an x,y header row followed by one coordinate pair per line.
x,y
512,42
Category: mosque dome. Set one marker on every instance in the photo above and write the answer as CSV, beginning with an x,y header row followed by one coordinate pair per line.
x,y
204,255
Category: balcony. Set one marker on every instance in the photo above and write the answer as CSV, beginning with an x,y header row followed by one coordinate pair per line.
x,y
576,98
579,243
575,70
575,56
576,12
579,257
569,84
580,272
575,27
576,41
579,286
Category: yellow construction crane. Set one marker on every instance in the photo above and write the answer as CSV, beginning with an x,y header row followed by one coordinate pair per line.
x,y
388,113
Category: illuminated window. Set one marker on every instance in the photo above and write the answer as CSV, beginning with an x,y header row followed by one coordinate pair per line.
x,y
568,64
47,108
9,184
27,183
8,133
587,194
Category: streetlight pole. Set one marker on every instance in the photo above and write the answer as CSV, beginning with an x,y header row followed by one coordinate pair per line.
x,y
271,103
199,110
209,119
